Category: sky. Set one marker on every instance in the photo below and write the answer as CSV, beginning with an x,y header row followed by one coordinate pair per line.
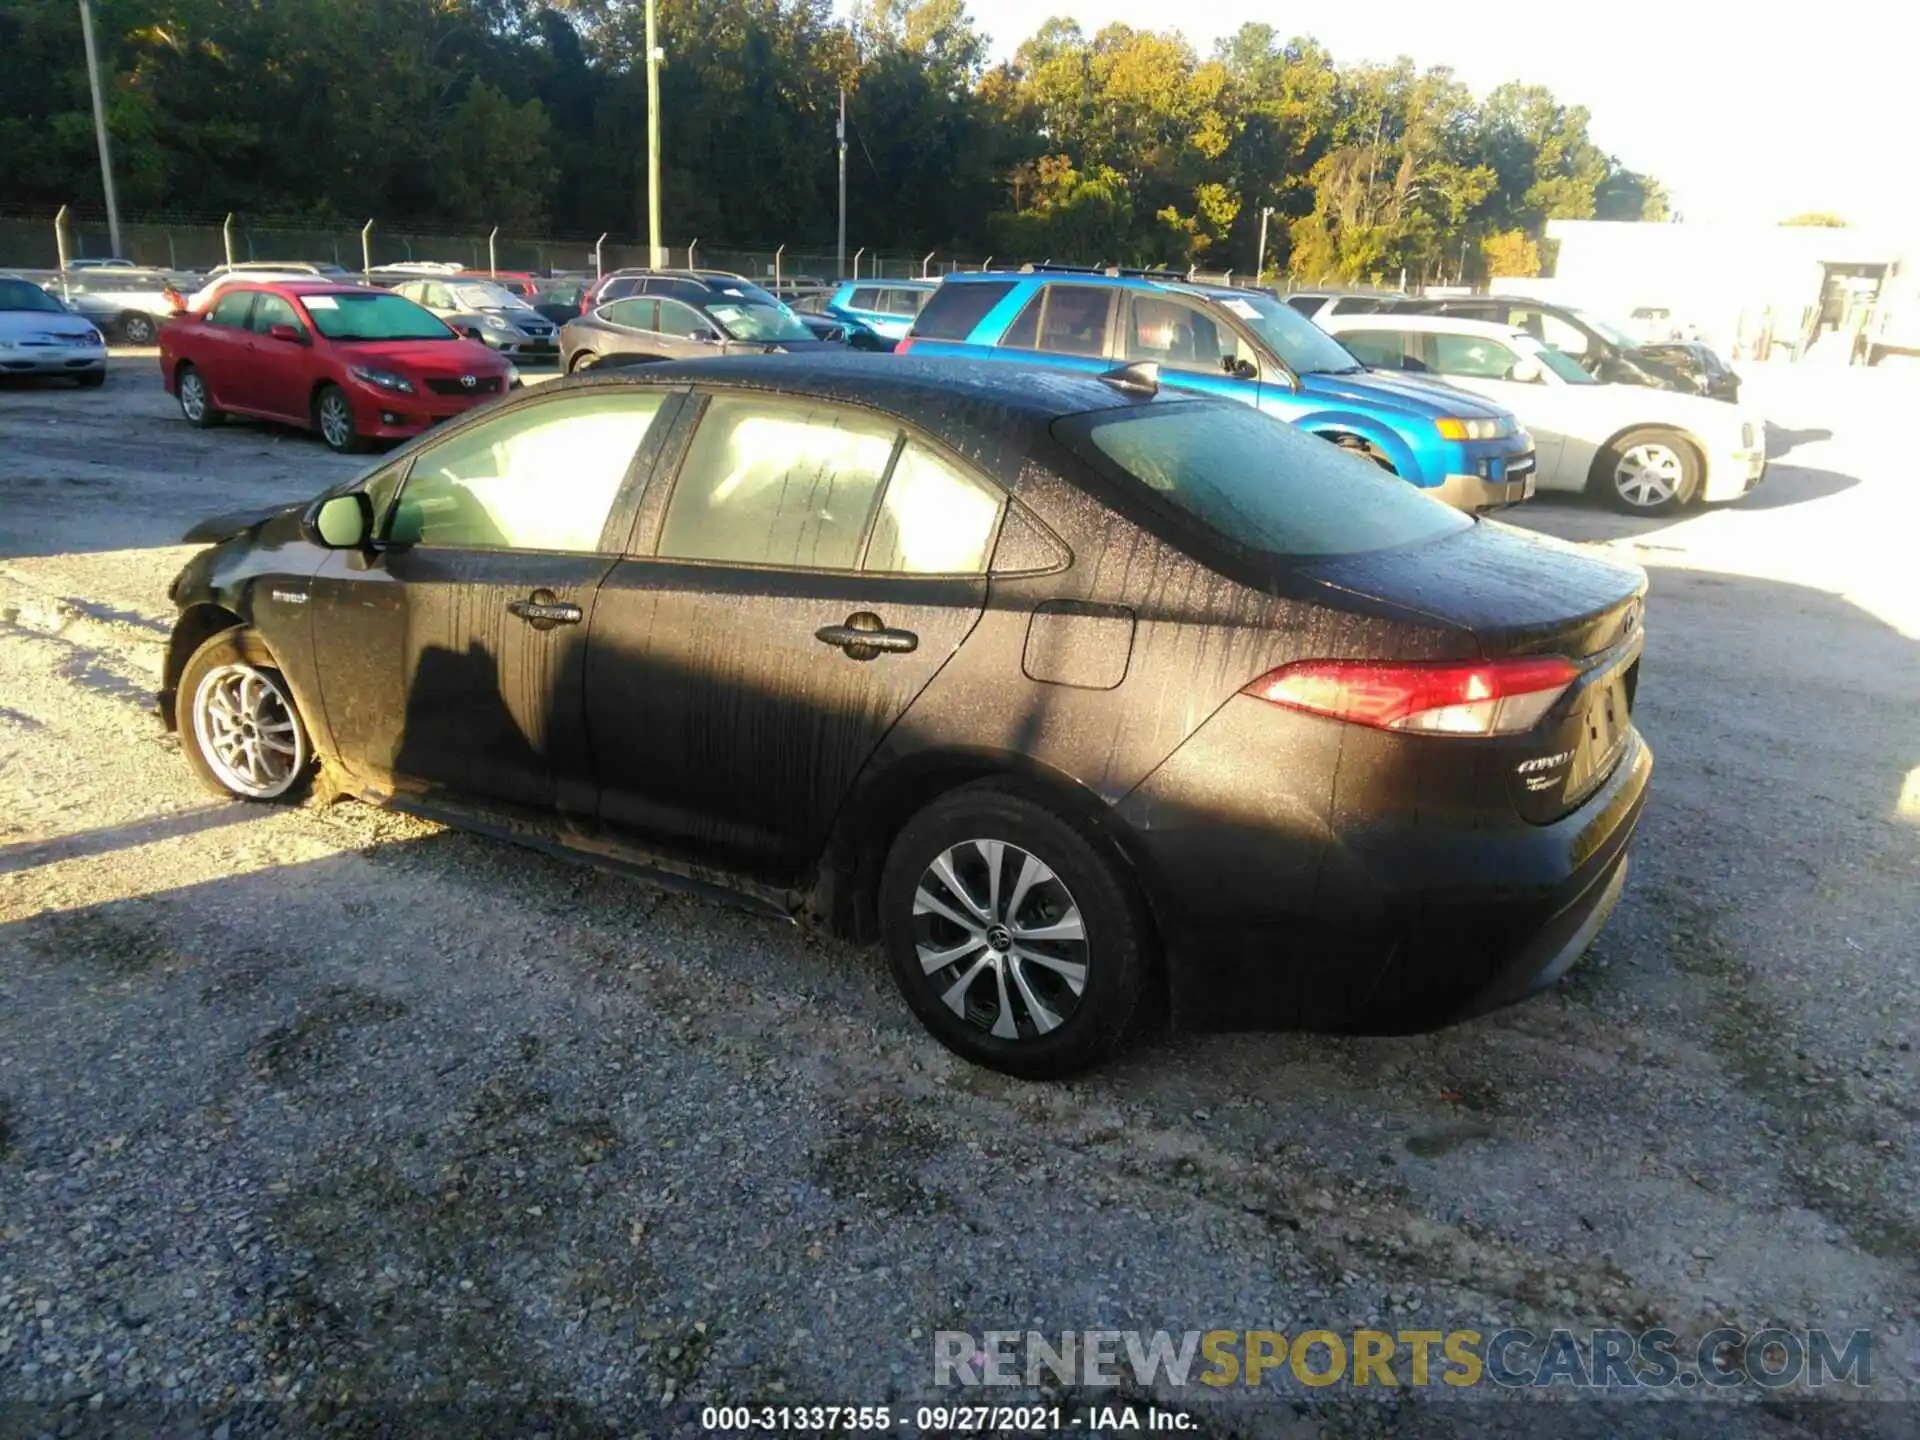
x,y
1745,111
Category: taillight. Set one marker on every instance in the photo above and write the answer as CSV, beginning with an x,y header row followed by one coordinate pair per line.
x,y
904,345
1487,697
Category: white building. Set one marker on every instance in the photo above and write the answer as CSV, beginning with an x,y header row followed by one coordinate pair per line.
x,y
1741,285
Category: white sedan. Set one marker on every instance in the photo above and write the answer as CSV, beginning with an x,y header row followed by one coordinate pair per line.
x,y
1645,451
40,336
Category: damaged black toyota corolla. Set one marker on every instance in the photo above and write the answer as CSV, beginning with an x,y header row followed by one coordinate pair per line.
x,y
1089,701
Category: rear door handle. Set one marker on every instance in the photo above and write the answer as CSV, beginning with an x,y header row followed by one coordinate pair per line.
x,y
865,636
543,610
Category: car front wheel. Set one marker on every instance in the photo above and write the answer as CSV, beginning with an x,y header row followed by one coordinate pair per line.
x,y
1647,472
240,729
1012,933
333,418
138,329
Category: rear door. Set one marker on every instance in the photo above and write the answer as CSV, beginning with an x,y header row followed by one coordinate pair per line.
x,y
279,372
1072,325
221,350
452,658
807,573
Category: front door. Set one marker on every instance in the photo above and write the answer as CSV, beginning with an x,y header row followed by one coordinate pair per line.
x,y
1194,349
813,570
1485,366
452,658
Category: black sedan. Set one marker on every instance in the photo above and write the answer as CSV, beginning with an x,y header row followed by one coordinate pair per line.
x,y
1089,702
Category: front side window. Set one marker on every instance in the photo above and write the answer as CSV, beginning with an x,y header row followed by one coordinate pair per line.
x,y
438,297
1303,347
1471,357
539,477
768,483
1181,336
232,309
749,320
1075,320
864,299
272,310
682,320
905,302
1557,334
934,519
1255,482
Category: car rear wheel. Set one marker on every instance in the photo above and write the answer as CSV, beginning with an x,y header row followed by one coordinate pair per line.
x,y
585,360
1647,472
241,731
196,401
333,418
1012,933
138,329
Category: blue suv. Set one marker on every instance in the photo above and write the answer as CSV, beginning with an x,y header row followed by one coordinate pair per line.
x,y
1243,344
886,307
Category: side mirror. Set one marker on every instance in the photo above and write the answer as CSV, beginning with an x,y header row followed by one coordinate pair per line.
x,y
1525,372
472,332
706,335
292,334
342,522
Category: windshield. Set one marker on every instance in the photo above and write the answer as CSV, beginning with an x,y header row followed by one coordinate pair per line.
x,y
373,315
1258,483
1302,346
488,296
1559,362
23,295
1607,331
752,321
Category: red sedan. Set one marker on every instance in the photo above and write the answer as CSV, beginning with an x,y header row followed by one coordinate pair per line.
x,y
356,364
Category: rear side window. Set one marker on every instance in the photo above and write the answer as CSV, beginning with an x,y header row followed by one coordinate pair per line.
x,y
637,313
953,311
1383,349
905,302
232,309
1075,322
1255,482
617,288
1024,333
777,484
934,519
867,299
1356,305
1307,305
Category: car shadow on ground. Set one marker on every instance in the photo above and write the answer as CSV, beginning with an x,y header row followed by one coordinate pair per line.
x,y
1781,440
1577,518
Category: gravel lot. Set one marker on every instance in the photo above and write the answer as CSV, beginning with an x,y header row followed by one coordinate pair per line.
x,y
302,1111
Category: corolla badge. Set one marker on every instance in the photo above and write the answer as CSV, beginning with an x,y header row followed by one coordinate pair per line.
x,y
469,381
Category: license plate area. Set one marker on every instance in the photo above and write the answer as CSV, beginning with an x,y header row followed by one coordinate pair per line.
x,y
1604,727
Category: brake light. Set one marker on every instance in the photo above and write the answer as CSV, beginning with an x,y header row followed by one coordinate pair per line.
x,y
904,345
1487,697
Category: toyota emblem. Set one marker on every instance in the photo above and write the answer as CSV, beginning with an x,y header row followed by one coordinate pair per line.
x,y
469,381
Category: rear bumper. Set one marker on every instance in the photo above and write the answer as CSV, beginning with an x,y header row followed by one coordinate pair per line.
x,y
1279,911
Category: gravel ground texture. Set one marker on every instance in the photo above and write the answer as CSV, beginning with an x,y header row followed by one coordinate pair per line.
x,y
326,1120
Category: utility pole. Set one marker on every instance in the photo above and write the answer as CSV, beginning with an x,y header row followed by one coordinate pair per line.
x,y
654,55
100,128
841,132
1260,262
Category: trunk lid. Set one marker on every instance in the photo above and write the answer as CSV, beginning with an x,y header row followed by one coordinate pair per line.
x,y
1520,594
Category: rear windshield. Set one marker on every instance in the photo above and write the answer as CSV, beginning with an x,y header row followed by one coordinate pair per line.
x,y
1256,482
952,311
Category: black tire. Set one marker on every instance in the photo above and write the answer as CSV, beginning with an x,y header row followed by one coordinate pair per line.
x,y
582,360
1086,883
1354,445
196,400
271,721
1627,476
91,379
138,329
333,420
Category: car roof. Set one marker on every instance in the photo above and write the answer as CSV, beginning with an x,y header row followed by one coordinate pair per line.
x,y
895,284
1448,324
1172,284
912,387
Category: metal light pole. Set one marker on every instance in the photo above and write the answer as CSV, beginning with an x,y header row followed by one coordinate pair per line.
x,y
841,132
1260,263
100,128
654,54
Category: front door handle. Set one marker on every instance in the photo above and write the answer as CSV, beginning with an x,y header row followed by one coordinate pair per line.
x,y
543,610
866,636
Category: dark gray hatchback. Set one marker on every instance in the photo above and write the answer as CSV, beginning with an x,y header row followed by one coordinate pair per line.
x,y
1087,702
